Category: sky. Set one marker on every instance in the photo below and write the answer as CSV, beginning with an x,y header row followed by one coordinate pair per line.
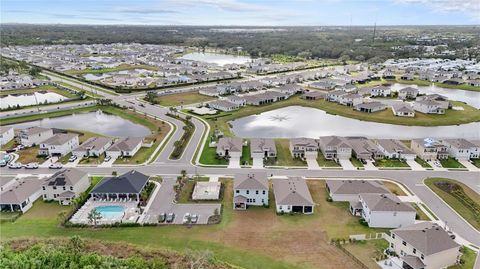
x,y
242,12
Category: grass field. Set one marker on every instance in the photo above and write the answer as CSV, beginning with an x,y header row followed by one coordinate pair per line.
x,y
29,155
366,251
420,214
451,163
113,69
391,163
476,162
284,157
356,162
246,155
183,98
468,258
255,238
422,162
322,162
460,207
394,188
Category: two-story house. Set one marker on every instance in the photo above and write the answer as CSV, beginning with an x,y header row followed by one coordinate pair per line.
x,y
250,189
59,144
303,147
335,147
385,210
429,149
33,136
65,185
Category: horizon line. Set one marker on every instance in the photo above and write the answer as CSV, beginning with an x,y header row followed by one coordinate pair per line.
x,y
234,25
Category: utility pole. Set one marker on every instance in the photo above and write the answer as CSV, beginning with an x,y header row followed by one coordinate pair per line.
x,y
374,33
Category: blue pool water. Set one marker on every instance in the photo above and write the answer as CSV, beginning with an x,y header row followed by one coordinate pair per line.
x,y
110,211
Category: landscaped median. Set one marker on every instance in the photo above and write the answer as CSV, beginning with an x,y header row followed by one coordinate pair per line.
x,y
465,201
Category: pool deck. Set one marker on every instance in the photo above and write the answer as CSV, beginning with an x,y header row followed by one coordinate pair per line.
x,y
130,215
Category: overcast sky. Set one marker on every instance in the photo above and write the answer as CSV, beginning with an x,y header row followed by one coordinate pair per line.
x,y
242,12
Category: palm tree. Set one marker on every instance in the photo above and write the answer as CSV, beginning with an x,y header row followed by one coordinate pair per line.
x,y
94,216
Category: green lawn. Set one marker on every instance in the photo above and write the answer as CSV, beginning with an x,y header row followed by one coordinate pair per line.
x,y
93,160
356,162
322,162
113,69
422,162
183,98
451,163
366,251
468,259
466,204
209,156
9,145
476,162
284,157
246,156
420,214
187,190
394,188
391,163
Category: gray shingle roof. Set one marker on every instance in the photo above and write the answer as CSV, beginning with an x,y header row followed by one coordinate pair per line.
x,y
67,177
252,181
126,144
60,139
385,202
130,182
292,191
355,186
20,190
426,237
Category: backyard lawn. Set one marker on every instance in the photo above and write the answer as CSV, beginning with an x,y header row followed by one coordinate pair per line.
x,y
366,251
391,163
183,98
468,258
459,196
451,163
246,155
420,214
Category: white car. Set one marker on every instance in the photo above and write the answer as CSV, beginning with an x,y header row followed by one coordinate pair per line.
x,y
72,159
31,166
15,165
194,218
55,166
108,158
187,218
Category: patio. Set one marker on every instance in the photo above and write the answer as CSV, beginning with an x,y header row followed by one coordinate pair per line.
x,y
130,214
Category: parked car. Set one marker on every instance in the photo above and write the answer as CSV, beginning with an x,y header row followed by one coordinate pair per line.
x,y
170,217
108,158
15,165
3,163
194,218
142,105
162,217
73,158
31,166
187,218
437,163
20,147
55,166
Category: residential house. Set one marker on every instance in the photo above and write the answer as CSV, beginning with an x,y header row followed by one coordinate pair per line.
x,y
348,190
429,149
125,147
431,104
385,210
65,185
59,145
6,135
365,149
381,91
263,148
21,195
370,107
238,100
394,149
250,189
292,196
403,110
335,147
32,136
424,245
93,147
350,99
461,149
408,93
223,105
229,147
334,96
303,147
314,95
127,186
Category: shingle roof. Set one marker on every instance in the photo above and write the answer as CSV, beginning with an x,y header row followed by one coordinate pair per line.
x,y
292,191
258,144
126,144
385,202
130,182
67,177
255,181
413,261
94,143
355,186
426,237
20,190
60,139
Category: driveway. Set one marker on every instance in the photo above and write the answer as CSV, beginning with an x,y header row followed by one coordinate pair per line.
x,y
48,162
435,167
74,163
109,163
414,165
347,164
312,163
257,162
369,166
234,162
163,202
469,166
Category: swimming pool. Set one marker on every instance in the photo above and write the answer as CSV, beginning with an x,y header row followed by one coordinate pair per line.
x,y
110,211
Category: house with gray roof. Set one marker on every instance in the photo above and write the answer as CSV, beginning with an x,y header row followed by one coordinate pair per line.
x,y
20,195
424,245
385,210
365,149
292,196
125,147
335,147
65,185
223,105
350,99
403,110
314,95
93,147
128,185
229,147
348,190
250,189
370,107
59,145
461,149
408,93
32,136
395,149
429,149
263,148
303,147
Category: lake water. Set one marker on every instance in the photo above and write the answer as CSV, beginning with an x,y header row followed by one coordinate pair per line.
x,y
470,97
30,99
297,121
97,122
216,58
93,77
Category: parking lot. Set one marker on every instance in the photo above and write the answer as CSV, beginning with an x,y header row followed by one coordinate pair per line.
x,y
164,203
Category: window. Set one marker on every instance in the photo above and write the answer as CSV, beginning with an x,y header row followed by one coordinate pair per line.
x,y
414,250
256,192
401,252
404,243
71,188
422,257
263,192
237,191
254,200
392,245
43,188
393,236
54,187
248,192
64,188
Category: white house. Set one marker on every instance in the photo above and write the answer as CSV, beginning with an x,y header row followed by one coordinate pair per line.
x,y
263,148
408,93
21,195
65,185
250,189
403,110
350,99
461,149
380,91
125,147
223,105
395,149
93,147
33,136
385,210
424,245
292,196
6,135
429,149
303,147
59,144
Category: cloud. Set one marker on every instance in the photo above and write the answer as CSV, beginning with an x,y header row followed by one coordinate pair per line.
x,y
226,5
143,10
467,6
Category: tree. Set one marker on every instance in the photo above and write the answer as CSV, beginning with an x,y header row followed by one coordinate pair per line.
x,y
34,71
75,244
183,173
344,59
94,216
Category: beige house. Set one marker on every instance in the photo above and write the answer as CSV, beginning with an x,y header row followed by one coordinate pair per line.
x,y
429,149
65,185
33,136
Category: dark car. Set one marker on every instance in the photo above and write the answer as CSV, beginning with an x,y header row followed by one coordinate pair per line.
x,y
162,217
170,217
